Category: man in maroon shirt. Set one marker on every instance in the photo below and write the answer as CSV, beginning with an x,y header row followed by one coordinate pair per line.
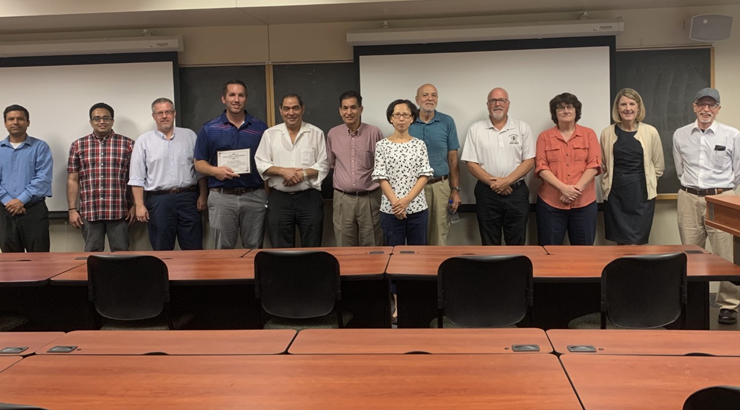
x,y
351,153
98,168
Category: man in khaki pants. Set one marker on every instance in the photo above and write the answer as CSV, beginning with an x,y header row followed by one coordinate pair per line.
x,y
350,149
439,132
707,157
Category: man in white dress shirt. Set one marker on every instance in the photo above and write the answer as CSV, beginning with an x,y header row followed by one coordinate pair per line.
x,y
162,165
292,159
499,152
707,158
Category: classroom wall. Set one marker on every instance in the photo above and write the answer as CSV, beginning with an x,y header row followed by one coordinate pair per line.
x,y
326,42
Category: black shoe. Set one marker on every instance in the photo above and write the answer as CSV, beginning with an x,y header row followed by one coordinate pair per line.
x,y
727,317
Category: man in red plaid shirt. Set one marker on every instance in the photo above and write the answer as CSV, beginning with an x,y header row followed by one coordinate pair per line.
x,y
98,170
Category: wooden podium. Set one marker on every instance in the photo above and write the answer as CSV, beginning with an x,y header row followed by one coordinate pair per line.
x,y
723,212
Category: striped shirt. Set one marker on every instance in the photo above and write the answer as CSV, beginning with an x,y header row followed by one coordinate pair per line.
x,y
221,135
103,167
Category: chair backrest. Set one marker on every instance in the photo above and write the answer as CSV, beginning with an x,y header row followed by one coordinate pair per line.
x,y
714,398
130,287
297,284
485,291
644,291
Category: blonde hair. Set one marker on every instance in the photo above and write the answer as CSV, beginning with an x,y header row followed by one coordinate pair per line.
x,y
632,95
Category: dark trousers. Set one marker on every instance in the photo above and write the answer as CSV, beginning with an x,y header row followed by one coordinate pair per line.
x,y
553,222
28,232
285,211
174,216
509,212
409,231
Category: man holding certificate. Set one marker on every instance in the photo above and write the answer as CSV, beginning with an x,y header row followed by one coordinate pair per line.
x,y
292,159
162,165
224,152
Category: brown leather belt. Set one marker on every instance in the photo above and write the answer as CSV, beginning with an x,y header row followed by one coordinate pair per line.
x,y
235,191
438,179
174,190
360,193
705,192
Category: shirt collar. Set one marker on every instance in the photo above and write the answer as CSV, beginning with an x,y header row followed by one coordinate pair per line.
x,y
358,132
434,119
712,127
160,134
247,118
109,136
509,125
6,141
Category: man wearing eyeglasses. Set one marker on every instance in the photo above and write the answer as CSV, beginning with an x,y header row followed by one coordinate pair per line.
x,y
499,152
292,159
707,157
442,191
162,165
97,170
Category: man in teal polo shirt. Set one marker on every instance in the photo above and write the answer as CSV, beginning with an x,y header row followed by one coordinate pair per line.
x,y
439,133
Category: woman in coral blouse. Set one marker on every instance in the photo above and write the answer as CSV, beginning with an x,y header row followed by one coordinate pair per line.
x,y
568,158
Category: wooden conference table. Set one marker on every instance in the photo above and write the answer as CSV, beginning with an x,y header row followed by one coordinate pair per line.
x,y
222,282
175,342
405,341
25,343
605,382
567,279
326,382
647,342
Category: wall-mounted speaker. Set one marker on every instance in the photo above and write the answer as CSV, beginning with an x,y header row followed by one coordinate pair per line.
x,y
710,27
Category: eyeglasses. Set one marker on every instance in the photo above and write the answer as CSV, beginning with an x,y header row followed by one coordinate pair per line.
x,y
101,119
163,113
498,101
398,115
707,105
565,107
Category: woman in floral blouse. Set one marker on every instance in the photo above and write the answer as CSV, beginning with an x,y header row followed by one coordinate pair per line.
x,y
402,168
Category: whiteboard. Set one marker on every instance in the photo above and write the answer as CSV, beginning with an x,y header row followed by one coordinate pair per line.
x,y
59,98
532,78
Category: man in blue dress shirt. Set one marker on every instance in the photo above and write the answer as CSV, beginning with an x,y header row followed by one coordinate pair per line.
x,y
25,182
162,165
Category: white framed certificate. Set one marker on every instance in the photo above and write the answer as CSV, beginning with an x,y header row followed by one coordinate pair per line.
x,y
236,159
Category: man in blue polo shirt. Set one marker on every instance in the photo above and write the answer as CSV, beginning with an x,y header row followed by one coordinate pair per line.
x,y
25,182
237,200
439,133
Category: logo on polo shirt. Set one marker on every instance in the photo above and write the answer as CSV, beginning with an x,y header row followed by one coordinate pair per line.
x,y
513,139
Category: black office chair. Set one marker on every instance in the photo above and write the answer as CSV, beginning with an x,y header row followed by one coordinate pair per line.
x,y
8,406
130,292
483,291
11,320
299,290
640,292
714,398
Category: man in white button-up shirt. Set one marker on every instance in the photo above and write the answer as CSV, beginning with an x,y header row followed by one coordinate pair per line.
x,y
292,159
707,158
499,152
162,165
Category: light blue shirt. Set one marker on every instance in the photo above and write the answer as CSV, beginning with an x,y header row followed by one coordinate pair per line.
x,y
25,172
158,163
440,135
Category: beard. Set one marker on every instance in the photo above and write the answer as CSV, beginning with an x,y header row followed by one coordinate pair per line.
x,y
497,115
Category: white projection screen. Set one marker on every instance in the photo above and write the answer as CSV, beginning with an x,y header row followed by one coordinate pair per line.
x,y
59,97
463,79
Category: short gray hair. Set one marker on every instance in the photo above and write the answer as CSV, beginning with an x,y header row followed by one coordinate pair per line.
x,y
162,100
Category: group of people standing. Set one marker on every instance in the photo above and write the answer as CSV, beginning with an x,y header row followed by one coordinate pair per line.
x,y
393,191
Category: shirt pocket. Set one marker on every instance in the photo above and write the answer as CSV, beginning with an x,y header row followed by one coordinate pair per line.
x,y
580,151
553,153
721,160
184,157
308,156
367,160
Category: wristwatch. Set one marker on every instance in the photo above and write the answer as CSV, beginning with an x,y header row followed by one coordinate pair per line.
x,y
305,175
456,188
